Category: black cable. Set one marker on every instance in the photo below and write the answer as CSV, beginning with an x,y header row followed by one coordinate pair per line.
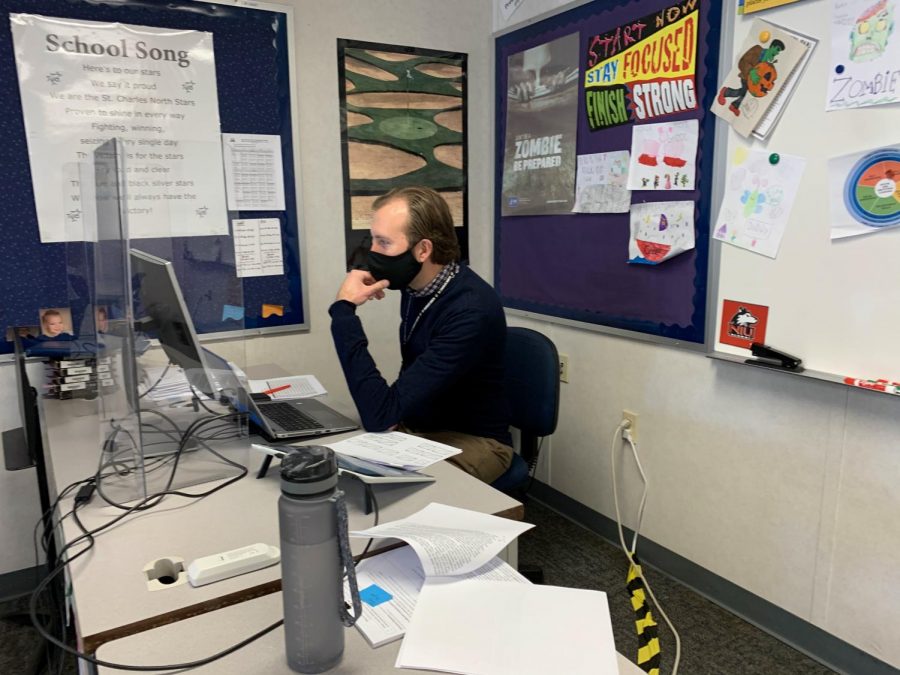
x,y
199,399
155,384
186,436
32,609
533,468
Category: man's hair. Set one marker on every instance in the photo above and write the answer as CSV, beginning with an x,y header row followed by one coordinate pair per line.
x,y
429,218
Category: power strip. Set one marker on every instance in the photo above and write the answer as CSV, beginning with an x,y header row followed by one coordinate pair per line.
x,y
216,567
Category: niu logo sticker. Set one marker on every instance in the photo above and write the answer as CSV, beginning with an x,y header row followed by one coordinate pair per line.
x,y
743,325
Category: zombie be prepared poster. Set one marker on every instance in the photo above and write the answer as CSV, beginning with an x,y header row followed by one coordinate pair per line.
x,y
643,70
541,120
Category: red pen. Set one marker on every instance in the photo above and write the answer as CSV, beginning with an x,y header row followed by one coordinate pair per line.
x,y
275,390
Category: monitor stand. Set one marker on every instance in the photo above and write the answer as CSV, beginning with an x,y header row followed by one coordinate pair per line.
x,y
15,450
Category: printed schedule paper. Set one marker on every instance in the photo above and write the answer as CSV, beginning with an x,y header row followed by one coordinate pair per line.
x,y
257,247
254,176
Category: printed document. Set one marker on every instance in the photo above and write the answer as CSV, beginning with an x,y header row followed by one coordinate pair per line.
x,y
389,586
395,449
254,175
450,540
284,388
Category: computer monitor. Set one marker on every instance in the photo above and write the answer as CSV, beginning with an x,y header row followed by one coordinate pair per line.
x,y
161,313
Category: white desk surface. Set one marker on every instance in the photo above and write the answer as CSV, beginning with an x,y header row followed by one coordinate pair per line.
x,y
204,635
109,590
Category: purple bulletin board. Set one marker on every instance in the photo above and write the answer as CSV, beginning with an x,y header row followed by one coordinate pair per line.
x,y
572,266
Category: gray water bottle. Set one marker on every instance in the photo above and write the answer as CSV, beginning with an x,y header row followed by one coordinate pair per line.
x,y
311,572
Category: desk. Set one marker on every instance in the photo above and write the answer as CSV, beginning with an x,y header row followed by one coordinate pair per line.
x,y
204,635
109,592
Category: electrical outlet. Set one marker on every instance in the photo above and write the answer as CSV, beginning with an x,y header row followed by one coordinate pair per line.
x,y
633,418
563,368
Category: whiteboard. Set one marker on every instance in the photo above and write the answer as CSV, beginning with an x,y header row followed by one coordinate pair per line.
x,y
835,304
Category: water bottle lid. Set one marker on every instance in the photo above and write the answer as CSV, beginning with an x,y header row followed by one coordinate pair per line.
x,y
309,470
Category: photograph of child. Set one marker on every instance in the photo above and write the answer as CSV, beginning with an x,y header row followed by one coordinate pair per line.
x,y
56,322
102,319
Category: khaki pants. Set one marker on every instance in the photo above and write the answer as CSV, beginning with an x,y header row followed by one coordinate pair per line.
x,y
485,458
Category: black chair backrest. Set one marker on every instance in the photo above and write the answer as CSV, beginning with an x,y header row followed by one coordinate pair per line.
x,y
532,381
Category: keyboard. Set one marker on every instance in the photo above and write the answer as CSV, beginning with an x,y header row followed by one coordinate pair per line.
x,y
288,417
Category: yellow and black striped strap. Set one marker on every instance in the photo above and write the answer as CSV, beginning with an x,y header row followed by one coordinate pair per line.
x,y
647,630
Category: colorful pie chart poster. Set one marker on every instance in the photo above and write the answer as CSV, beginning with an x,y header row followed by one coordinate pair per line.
x,y
865,192
660,231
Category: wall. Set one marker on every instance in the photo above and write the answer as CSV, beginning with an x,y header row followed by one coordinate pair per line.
x,y
460,26
783,485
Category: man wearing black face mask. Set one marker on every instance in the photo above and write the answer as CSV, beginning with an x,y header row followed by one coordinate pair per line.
x,y
452,336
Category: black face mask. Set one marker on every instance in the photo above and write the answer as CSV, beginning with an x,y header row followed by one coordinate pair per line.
x,y
399,270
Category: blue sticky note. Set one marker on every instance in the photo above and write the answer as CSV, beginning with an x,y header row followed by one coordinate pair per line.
x,y
232,312
374,595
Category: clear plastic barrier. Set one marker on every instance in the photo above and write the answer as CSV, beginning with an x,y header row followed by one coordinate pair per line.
x,y
165,418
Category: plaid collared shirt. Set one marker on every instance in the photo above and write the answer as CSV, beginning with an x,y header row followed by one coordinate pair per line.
x,y
448,271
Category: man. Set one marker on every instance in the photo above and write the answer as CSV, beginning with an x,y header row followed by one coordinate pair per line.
x,y
452,336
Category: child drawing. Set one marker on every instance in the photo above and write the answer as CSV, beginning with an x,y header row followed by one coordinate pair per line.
x,y
871,32
757,74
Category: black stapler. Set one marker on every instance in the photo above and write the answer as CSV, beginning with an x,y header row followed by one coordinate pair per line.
x,y
772,358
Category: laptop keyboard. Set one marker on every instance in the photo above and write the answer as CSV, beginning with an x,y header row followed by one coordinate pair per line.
x,y
288,417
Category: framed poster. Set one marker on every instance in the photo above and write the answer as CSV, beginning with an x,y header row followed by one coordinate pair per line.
x,y
403,123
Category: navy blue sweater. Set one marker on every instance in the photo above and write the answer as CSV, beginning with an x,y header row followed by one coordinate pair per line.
x,y
451,378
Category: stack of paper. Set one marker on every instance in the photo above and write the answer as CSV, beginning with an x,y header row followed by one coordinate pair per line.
x,y
445,542
394,449
465,611
166,384
390,584
483,627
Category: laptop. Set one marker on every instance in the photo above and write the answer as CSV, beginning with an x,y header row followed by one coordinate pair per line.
x,y
277,420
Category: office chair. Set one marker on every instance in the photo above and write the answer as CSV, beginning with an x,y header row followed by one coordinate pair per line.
x,y
532,387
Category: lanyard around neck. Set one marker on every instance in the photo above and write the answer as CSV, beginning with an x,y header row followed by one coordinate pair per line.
x,y
437,293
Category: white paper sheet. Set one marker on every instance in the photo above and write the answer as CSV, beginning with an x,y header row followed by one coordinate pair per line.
x,y
864,191
865,53
162,384
763,64
298,386
779,103
663,156
450,540
254,174
660,230
153,88
501,628
601,183
509,7
399,573
395,449
257,247
758,199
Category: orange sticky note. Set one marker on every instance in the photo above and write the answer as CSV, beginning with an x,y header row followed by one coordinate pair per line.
x,y
269,310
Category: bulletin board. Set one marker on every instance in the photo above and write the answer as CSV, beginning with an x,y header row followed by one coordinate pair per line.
x,y
831,302
254,81
572,267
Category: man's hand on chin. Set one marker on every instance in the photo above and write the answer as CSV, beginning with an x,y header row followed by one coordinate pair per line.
x,y
360,286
